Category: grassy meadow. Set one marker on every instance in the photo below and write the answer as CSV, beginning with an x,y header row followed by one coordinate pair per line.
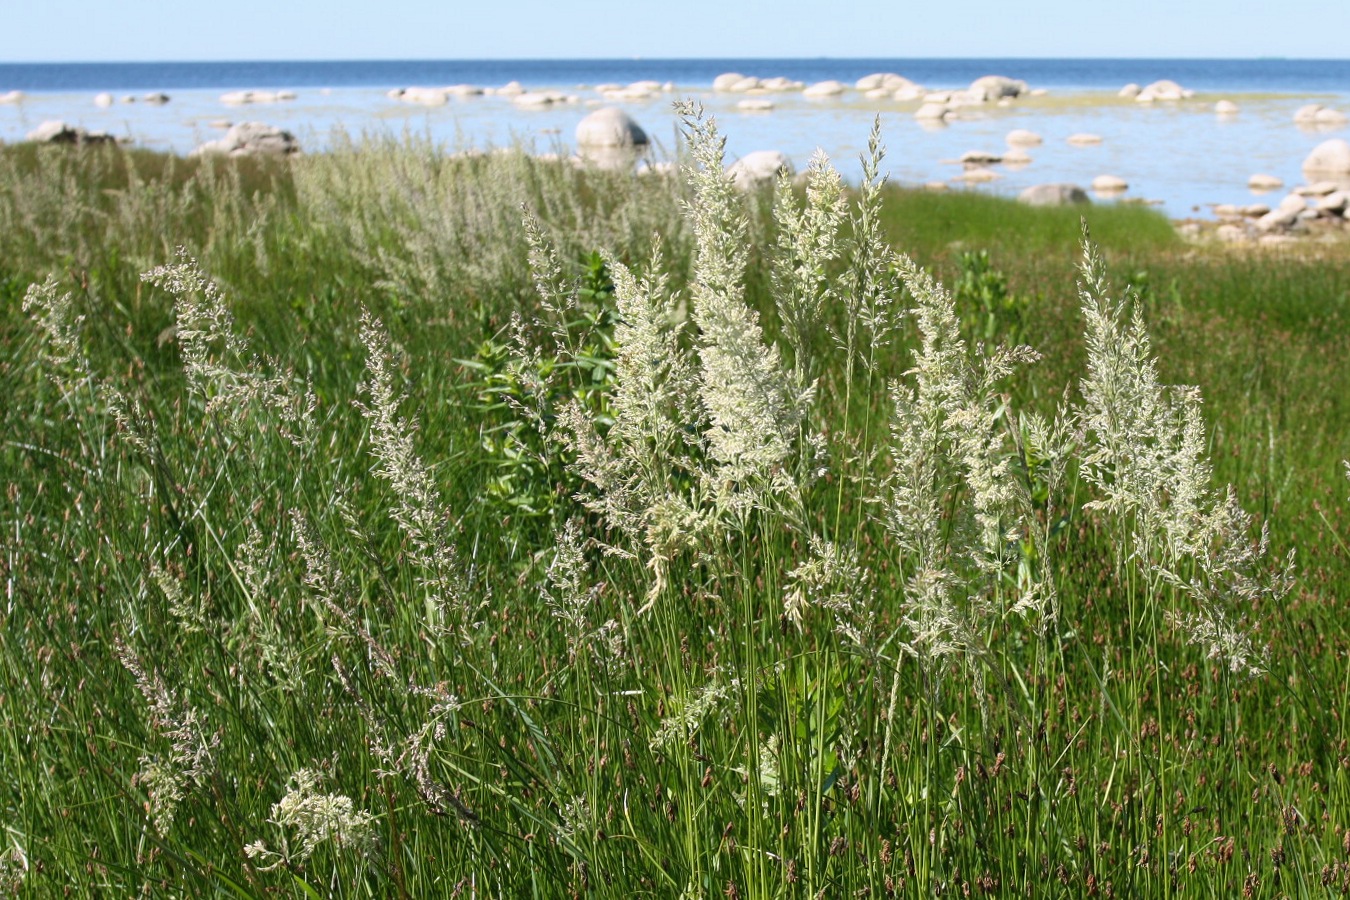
x,y
396,523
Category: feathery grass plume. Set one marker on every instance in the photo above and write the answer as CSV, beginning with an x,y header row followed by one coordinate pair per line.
x,y
755,410
260,634
808,247
1230,583
407,756
872,285
418,508
833,579
55,315
317,818
654,391
956,508
1147,455
571,600
557,297
565,592
191,614
1126,414
684,723
190,762
336,596
644,471
216,360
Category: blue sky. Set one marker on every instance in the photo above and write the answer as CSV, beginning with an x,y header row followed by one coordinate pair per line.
x,y
146,30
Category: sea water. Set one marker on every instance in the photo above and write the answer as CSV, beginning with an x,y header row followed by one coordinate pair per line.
x,y
1181,156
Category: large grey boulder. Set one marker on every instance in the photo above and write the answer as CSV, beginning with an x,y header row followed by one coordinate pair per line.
x,y
1307,114
610,139
886,81
1335,202
610,127
825,89
1163,90
1329,159
995,87
1054,195
249,138
1284,216
54,131
759,168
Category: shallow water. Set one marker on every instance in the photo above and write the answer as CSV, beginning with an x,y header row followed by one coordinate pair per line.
x,y
1181,155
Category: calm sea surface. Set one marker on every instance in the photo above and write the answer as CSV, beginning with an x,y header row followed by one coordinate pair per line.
x,y
1179,154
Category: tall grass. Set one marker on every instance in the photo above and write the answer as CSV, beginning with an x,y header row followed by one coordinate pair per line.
x,y
819,590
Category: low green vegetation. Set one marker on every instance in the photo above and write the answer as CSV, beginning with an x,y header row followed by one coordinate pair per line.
x,y
392,523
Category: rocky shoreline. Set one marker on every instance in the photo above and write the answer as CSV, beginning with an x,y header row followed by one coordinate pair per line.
x,y
608,136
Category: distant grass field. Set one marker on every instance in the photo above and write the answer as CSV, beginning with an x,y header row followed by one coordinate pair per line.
x,y
439,526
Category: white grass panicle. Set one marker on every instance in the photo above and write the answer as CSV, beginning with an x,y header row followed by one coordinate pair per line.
x,y
1146,454
833,578
682,724
317,818
54,312
872,284
1230,581
755,410
809,246
417,507
697,443
567,593
217,361
190,762
636,471
956,508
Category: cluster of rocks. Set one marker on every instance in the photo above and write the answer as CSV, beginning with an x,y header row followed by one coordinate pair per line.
x,y
635,92
55,131
939,106
251,138
155,98
1317,114
1165,89
736,83
1322,203
245,98
514,90
435,96
935,106
976,168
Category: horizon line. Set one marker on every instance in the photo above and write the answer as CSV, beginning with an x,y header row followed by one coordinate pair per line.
x,y
638,59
